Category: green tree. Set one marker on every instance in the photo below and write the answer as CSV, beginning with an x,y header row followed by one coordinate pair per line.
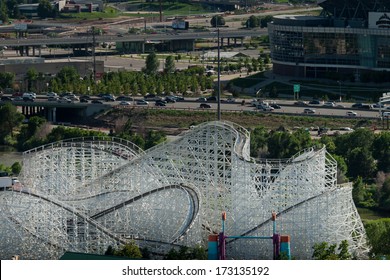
x,y
27,137
6,79
45,9
384,200
11,119
265,20
3,11
169,66
378,234
324,251
217,20
258,141
16,168
361,163
130,250
186,253
68,75
252,22
13,9
381,150
153,138
151,64
31,77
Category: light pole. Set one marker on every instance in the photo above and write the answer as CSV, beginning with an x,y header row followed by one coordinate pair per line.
x,y
219,80
339,90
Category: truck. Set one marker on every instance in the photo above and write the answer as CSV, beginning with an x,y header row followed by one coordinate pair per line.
x,y
5,182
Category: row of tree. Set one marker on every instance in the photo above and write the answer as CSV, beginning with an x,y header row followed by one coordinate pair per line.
x,y
362,156
9,9
149,80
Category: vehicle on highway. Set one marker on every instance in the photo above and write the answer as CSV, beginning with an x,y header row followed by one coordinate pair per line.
x,y
204,106
329,104
300,103
18,98
212,98
109,98
230,100
151,97
170,99
366,107
142,102
85,96
6,98
202,99
177,98
51,94
29,96
125,103
357,105
386,114
309,111
275,106
52,98
26,98
346,129
160,103
124,98
315,102
64,100
265,107
351,114
96,102
84,100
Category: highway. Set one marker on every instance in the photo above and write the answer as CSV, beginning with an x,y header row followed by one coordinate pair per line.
x,y
287,107
168,36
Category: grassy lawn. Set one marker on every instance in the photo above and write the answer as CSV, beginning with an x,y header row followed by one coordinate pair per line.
x,y
108,13
178,9
367,214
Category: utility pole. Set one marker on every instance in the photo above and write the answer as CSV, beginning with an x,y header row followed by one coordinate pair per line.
x,y
160,11
93,53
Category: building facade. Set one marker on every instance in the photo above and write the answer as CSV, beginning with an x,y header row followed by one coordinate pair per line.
x,y
350,39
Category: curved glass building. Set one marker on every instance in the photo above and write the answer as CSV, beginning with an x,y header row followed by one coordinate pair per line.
x,y
348,39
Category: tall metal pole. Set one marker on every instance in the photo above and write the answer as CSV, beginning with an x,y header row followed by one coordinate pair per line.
x,y
93,53
219,80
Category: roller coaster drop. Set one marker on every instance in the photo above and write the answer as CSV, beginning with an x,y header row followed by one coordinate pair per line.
x,y
83,195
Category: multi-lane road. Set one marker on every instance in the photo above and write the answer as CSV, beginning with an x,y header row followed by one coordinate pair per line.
x,y
287,107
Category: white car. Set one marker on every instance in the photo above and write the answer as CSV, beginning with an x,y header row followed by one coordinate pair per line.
x,y
124,103
51,94
142,102
351,114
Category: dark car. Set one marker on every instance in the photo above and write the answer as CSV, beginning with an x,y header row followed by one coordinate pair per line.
x,y
204,105
212,98
170,99
275,106
124,98
85,96
6,98
28,99
96,102
109,98
84,100
357,105
160,103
